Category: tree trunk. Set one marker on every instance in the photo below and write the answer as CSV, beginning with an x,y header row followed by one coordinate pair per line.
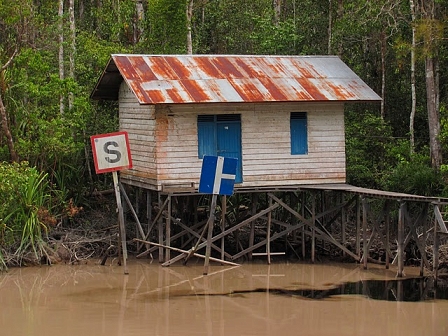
x,y
71,10
330,25
61,50
7,132
413,92
138,28
433,112
189,18
383,42
431,44
277,11
340,13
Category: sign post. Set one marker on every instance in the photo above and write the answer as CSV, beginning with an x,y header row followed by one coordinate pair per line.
x,y
111,153
217,178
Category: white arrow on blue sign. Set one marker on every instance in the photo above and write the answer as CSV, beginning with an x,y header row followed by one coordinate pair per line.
x,y
218,175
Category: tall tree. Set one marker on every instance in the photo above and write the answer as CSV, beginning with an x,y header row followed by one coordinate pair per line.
x,y
61,51
71,9
413,90
15,30
189,13
432,30
3,113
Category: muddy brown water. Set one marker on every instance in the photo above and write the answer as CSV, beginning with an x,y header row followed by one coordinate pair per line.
x,y
252,299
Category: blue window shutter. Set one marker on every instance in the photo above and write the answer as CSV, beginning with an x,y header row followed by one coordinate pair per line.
x,y
206,136
299,136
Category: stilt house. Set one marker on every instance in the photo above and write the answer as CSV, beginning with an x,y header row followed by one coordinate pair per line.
x,y
282,117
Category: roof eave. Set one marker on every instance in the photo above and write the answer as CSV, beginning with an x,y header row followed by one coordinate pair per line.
x,y
103,90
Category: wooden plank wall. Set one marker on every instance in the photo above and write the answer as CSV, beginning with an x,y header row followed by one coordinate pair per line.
x,y
164,142
138,120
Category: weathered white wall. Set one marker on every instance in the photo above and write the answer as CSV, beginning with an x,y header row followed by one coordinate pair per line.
x,y
138,120
164,142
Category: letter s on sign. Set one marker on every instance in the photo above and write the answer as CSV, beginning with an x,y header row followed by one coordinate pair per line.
x,y
112,151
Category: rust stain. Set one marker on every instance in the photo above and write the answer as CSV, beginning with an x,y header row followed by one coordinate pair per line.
x,y
178,67
141,94
142,69
207,66
248,91
340,92
227,67
156,96
312,90
195,91
248,69
162,69
174,95
126,68
276,92
162,128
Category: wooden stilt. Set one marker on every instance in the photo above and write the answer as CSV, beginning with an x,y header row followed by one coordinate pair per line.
x,y
400,238
294,220
148,209
252,225
343,224
435,252
194,249
168,229
358,226
160,229
313,231
365,254
268,233
387,224
226,232
121,221
223,222
211,222
303,228
133,212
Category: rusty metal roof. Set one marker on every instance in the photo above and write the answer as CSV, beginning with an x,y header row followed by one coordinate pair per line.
x,y
176,79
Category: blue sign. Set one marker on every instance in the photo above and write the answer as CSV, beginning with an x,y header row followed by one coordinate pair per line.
x,y
218,175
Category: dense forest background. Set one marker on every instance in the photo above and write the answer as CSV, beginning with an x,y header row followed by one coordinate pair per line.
x,y
53,51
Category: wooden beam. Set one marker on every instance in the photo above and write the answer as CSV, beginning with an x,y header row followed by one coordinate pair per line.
x,y
183,252
230,230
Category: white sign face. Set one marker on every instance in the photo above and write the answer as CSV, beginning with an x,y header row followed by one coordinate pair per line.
x,y
111,152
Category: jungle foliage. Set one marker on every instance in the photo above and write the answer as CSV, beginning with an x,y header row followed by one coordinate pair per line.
x,y
52,53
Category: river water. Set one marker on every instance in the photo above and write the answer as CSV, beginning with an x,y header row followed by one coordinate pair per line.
x,y
252,299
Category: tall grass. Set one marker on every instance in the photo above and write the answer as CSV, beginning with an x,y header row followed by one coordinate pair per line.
x,y
34,199
24,196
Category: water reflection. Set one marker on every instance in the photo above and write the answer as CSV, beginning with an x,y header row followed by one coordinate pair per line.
x,y
254,299
410,290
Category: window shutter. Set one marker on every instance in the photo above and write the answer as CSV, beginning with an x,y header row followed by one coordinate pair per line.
x,y
299,136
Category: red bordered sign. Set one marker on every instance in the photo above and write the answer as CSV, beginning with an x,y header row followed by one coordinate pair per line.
x,y
111,152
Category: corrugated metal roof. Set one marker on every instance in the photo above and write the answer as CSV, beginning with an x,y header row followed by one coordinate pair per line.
x,y
176,79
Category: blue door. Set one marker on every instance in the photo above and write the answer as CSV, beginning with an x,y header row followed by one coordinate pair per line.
x,y
228,138
220,135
